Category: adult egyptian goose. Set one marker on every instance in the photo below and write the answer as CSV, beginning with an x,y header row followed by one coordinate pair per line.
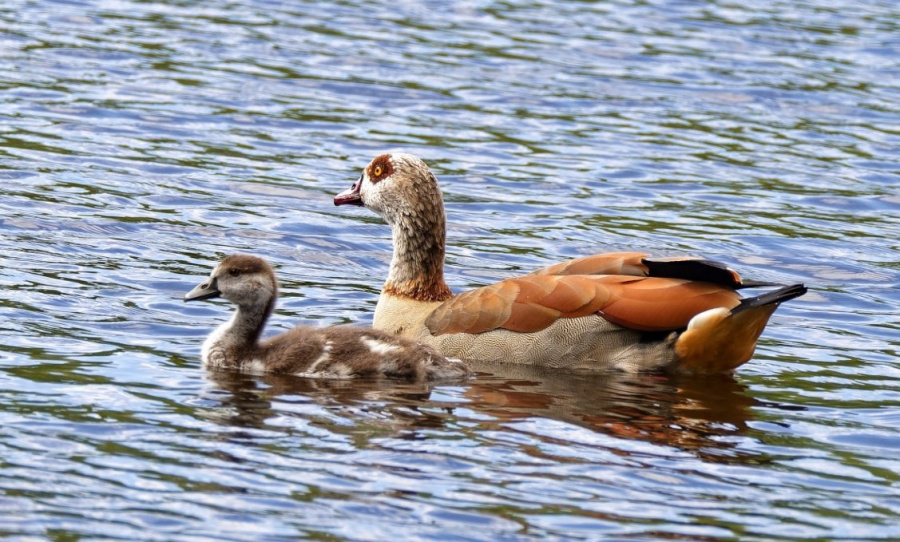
x,y
334,352
621,310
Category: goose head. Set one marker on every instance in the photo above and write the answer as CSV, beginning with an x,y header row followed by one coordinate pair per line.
x,y
404,192
246,281
399,187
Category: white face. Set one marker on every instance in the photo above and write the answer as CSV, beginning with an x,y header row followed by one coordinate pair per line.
x,y
389,185
375,187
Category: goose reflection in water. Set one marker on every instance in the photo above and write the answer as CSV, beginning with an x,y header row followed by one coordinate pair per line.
x,y
685,412
692,414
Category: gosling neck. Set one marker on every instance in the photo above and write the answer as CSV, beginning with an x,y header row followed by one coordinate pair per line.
x,y
241,334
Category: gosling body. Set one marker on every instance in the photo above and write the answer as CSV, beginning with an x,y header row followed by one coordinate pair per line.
x,y
333,352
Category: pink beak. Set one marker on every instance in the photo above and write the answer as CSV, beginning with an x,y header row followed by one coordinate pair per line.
x,y
351,196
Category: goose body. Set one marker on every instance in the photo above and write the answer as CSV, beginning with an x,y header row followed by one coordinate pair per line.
x,y
623,311
335,352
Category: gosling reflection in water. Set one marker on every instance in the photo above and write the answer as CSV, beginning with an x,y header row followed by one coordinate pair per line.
x,y
386,404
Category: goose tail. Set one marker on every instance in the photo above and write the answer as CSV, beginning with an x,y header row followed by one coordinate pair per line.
x,y
720,340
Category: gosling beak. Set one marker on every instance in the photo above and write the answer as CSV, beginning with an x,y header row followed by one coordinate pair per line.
x,y
350,196
207,290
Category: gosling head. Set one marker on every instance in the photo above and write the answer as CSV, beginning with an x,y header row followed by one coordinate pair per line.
x,y
395,186
246,281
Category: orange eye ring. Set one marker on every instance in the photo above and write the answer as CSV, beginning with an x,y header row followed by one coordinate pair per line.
x,y
377,171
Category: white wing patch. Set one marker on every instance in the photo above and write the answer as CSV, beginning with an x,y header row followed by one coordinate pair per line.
x,y
379,347
324,357
708,317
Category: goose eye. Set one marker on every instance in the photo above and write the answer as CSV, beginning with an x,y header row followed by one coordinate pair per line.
x,y
234,272
377,171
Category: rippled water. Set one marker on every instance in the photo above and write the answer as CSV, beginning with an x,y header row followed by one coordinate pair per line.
x,y
140,141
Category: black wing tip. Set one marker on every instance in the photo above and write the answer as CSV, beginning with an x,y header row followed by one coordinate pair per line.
x,y
693,269
780,295
759,284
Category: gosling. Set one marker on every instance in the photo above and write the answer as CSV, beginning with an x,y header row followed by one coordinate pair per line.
x,y
333,352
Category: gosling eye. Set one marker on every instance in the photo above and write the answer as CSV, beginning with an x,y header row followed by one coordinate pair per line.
x,y
234,271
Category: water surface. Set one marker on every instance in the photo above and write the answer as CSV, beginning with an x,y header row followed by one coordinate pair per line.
x,y
140,141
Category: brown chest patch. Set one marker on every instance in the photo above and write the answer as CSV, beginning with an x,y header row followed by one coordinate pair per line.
x,y
419,291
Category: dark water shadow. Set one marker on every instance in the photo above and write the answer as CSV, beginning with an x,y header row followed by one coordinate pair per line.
x,y
701,415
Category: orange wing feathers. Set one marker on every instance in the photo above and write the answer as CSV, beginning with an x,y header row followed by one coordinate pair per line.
x,y
639,264
533,302
611,263
659,304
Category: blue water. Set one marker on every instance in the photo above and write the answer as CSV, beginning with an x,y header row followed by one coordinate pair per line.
x,y
141,141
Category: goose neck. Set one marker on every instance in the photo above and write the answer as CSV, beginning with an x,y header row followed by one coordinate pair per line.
x,y
417,267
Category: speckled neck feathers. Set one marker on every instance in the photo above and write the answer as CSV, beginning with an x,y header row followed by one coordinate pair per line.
x,y
418,227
